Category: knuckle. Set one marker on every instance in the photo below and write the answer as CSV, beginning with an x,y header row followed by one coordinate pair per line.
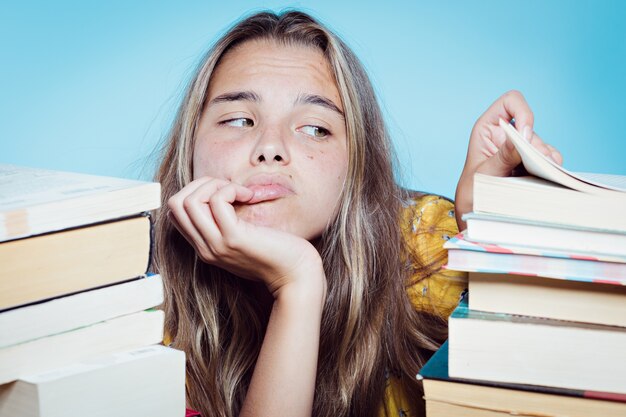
x,y
219,251
514,94
187,203
173,202
215,198
231,242
204,254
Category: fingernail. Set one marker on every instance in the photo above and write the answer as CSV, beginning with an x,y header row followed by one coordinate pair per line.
x,y
527,133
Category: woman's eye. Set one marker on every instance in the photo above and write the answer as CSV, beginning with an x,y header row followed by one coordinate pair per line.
x,y
315,131
239,122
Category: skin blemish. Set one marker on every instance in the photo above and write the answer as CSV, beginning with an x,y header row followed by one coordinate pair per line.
x,y
310,156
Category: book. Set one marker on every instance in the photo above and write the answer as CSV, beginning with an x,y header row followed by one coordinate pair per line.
x,y
586,302
63,314
552,193
464,255
148,381
536,199
536,351
449,396
519,232
54,264
35,201
47,353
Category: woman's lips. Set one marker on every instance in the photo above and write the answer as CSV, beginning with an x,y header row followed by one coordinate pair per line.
x,y
267,192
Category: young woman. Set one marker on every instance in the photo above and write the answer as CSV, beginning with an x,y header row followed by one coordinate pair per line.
x,y
300,279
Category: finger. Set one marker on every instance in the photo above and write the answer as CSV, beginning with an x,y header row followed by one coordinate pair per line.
x,y
200,215
193,186
492,148
499,136
517,107
551,151
180,229
222,206
512,105
556,155
502,163
542,147
176,202
191,212
192,236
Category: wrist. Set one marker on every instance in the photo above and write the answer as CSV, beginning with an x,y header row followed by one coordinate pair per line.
x,y
463,199
307,284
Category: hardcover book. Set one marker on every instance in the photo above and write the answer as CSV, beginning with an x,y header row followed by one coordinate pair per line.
x,y
536,296
65,262
536,351
449,396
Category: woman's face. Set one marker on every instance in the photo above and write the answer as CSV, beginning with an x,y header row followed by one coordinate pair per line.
x,y
273,122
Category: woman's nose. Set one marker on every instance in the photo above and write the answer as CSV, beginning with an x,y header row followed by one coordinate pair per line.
x,y
270,148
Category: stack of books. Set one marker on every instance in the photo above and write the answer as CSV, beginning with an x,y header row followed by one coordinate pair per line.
x,y
79,331
543,330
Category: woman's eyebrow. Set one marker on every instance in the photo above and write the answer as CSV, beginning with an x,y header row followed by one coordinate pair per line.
x,y
236,96
318,101
302,99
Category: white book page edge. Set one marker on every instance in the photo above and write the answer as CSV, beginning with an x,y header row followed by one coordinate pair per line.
x,y
538,164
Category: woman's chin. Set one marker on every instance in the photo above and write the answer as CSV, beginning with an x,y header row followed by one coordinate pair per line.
x,y
258,215
284,219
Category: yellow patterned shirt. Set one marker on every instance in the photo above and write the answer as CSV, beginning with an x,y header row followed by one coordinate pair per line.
x,y
427,222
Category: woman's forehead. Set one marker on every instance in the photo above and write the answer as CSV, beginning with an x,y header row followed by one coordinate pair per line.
x,y
268,65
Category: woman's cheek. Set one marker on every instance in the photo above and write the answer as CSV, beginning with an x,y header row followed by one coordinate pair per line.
x,y
215,160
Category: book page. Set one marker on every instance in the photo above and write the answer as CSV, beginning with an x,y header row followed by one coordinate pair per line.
x,y
612,181
538,164
22,187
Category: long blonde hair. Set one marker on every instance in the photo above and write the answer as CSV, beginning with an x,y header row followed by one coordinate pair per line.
x,y
369,327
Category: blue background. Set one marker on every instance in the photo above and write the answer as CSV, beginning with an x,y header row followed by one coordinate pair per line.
x,y
93,86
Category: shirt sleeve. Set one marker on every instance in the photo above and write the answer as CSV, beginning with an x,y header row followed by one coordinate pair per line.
x,y
427,222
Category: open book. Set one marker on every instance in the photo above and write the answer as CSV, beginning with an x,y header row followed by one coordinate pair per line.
x,y
552,195
541,166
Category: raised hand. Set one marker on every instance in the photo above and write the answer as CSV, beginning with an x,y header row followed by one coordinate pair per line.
x,y
204,213
489,151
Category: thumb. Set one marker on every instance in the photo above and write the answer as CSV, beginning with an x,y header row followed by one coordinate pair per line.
x,y
503,162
